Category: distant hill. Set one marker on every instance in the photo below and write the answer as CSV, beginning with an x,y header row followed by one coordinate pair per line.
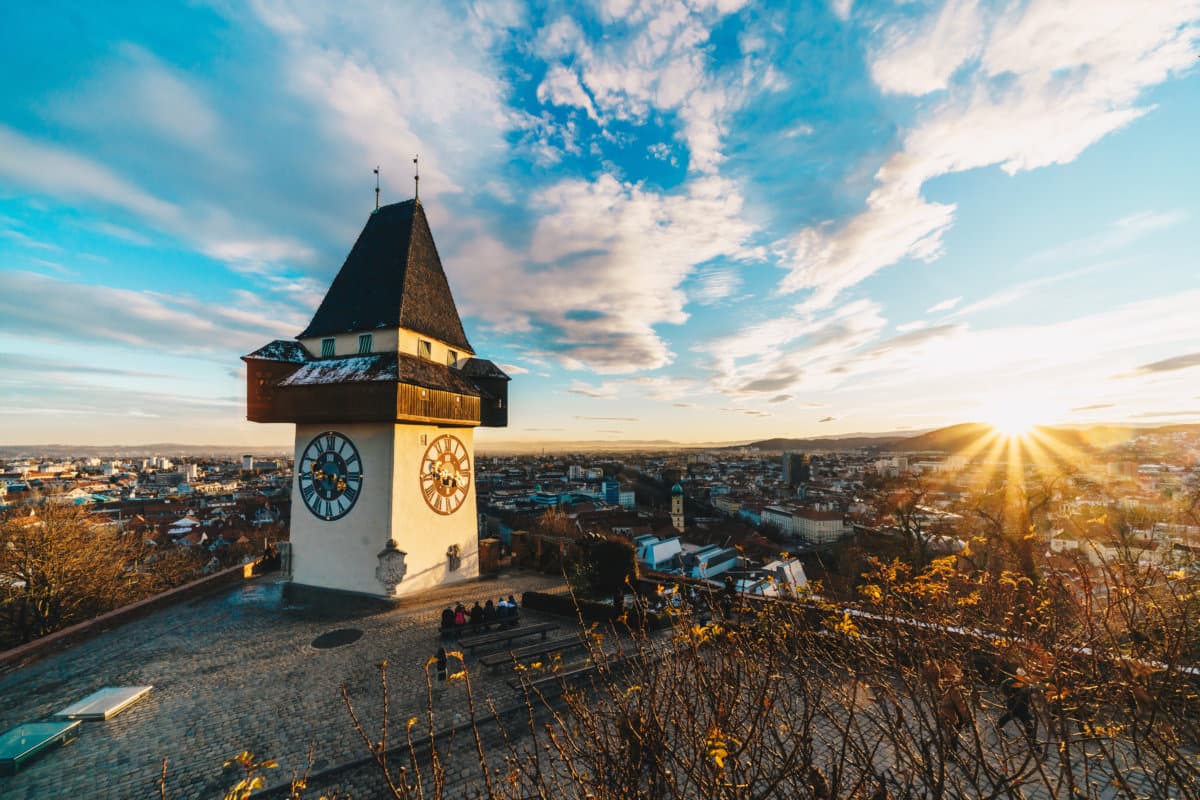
x,y
831,443
952,439
120,451
947,440
961,437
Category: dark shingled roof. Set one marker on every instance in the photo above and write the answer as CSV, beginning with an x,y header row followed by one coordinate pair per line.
x,y
482,368
392,278
388,367
281,350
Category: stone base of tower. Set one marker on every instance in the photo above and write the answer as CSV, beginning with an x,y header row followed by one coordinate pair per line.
x,y
391,543
332,602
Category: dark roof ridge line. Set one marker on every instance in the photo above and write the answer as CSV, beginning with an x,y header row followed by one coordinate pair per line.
x,y
363,294
408,253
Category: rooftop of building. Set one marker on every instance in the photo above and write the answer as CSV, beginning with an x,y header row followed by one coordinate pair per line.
x,y
392,278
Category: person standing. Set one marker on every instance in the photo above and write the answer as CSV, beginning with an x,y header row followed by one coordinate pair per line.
x,y
1018,704
441,665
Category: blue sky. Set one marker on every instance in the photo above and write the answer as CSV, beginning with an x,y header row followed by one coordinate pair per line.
x,y
697,221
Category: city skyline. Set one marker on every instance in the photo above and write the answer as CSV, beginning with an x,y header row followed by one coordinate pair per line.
x,y
696,222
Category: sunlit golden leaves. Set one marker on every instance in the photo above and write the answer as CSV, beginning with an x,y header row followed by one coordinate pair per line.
x,y
845,625
716,747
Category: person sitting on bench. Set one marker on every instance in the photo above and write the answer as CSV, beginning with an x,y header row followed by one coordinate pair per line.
x,y
489,614
511,614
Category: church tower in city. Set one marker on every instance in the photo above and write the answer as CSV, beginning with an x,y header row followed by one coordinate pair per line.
x,y
385,392
677,507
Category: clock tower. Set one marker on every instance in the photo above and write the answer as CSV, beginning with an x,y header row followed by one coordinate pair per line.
x,y
385,392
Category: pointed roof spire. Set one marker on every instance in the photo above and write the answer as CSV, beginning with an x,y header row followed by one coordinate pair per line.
x,y
393,278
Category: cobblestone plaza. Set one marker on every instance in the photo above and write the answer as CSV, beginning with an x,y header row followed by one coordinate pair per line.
x,y
233,671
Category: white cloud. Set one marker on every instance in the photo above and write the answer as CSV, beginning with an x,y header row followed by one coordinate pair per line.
x,y
945,305
386,84
1080,355
61,173
602,391
513,369
658,64
561,38
604,267
714,284
666,389
662,152
1016,292
561,87
117,232
77,181
895,225
1123,358
797,352
1047,80
142,319
1121,233
28,241
921,59
254,252
137,94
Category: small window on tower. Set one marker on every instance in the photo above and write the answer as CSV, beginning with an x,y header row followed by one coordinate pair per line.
x,y
425,349
327,347
451,358
364,343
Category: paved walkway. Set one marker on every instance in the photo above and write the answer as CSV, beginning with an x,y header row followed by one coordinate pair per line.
x,y
234,672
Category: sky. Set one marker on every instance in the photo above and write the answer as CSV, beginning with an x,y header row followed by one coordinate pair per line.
x,y
695,221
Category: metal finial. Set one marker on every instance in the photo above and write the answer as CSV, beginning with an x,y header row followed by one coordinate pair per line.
x,y
377,188
416,178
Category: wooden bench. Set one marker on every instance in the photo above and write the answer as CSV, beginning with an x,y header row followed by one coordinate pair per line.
x,y
543,648
552,684
454,632
506,636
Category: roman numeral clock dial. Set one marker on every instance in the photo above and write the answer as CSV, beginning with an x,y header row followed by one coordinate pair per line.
x,y
445,474
330,476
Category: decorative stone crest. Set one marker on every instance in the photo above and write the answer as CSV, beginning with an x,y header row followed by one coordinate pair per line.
x,y
391,569
453,558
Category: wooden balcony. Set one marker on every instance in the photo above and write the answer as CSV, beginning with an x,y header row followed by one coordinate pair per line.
x,y
418,404
269,399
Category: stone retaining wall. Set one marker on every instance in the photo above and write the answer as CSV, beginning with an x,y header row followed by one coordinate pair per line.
x,y
51,643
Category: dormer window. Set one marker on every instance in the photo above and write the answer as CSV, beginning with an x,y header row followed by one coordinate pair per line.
x,y
425,349
451,358
327,347
364,343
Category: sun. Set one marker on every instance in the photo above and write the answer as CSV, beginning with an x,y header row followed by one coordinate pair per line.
x,y
1013,417
1013,424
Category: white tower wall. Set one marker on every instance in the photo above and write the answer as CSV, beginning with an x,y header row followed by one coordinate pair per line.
x,y
343,554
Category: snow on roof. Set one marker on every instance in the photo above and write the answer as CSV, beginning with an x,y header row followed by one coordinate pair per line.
x,y
281,350
352,369
382,368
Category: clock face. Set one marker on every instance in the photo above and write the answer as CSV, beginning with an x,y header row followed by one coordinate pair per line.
x,y
330,476
445,474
